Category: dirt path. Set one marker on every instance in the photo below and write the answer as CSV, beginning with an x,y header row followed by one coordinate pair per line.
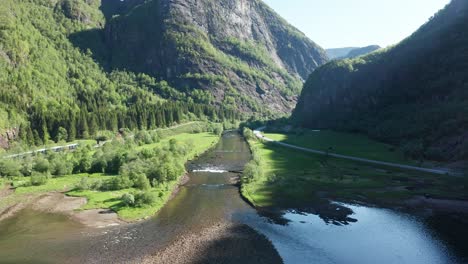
x,y
258,134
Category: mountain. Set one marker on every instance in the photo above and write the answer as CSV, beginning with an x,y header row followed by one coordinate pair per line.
x,y
86,65
346,53
240,51
339,52
414,94
362,51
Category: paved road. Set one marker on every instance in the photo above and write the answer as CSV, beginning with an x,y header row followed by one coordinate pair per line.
x,y
258,134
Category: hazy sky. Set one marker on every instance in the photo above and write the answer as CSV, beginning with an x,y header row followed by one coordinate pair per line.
x,y
344,23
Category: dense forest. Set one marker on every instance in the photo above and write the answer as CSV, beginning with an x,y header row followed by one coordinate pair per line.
x,y
413,94
69,68
50,89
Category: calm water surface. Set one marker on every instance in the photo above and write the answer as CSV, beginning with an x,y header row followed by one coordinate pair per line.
x,y
378,235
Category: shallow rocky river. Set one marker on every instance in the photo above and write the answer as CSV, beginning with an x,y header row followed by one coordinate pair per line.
x,y
208,222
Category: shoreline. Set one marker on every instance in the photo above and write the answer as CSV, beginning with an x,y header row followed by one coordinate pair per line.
x,y
413,203
209,246
59,202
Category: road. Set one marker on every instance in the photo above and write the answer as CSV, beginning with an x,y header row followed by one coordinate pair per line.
x,y
74,146
258,134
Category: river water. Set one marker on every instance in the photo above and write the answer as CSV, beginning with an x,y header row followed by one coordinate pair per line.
x,y
374,236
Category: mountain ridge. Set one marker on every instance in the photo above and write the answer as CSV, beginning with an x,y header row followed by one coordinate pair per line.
x,y
412,94
83,66
350,52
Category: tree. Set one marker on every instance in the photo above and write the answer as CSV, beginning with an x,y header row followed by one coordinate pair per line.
x,y
62,135
140,181
41,165
9,167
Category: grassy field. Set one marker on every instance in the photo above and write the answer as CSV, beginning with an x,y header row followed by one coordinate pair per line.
x,y
111,199
293,178
345,144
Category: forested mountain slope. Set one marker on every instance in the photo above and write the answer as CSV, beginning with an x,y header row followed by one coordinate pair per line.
x,y
239,50
362,51
339,52
347,53
52,90
414,94
84,65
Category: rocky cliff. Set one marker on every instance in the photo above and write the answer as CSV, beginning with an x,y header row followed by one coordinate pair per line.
x,y
239,50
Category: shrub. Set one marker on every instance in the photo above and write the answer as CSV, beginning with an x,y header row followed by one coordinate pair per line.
x,y
128,199
61,167
413,149
252,172
38,179
119,183
83,185
97,185
27,167
41,165
144,198
140,181
143,137
9,167
218,131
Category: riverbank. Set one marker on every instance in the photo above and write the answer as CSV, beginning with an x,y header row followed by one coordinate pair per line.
x,y
101,207
222,243
293,179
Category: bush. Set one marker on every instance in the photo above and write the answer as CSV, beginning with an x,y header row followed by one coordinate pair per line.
x,y
41,165
248,134
218,130
27,167
83,185
38,179
140,181
119,183
9,167
143,137
252,172
128,199
144,198
413,149
61,167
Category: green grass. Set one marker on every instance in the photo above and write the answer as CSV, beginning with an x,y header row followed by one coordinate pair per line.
x,y
111,199
345,144
189,127
294,178
54,184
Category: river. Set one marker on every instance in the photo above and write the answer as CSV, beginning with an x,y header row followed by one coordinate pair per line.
x,y
210,199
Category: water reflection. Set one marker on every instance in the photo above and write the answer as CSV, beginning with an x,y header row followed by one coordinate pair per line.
x,y
376,236
323,232
329,212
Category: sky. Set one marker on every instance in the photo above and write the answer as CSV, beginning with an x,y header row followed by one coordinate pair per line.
x,y
357,23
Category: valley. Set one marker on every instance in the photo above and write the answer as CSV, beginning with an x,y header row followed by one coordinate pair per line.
x,y
200,131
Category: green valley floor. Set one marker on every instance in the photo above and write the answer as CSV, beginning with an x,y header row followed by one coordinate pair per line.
x,y
75,202
291,178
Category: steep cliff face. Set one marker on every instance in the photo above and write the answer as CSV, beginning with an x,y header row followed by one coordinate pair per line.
x,y
413,94
240,50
